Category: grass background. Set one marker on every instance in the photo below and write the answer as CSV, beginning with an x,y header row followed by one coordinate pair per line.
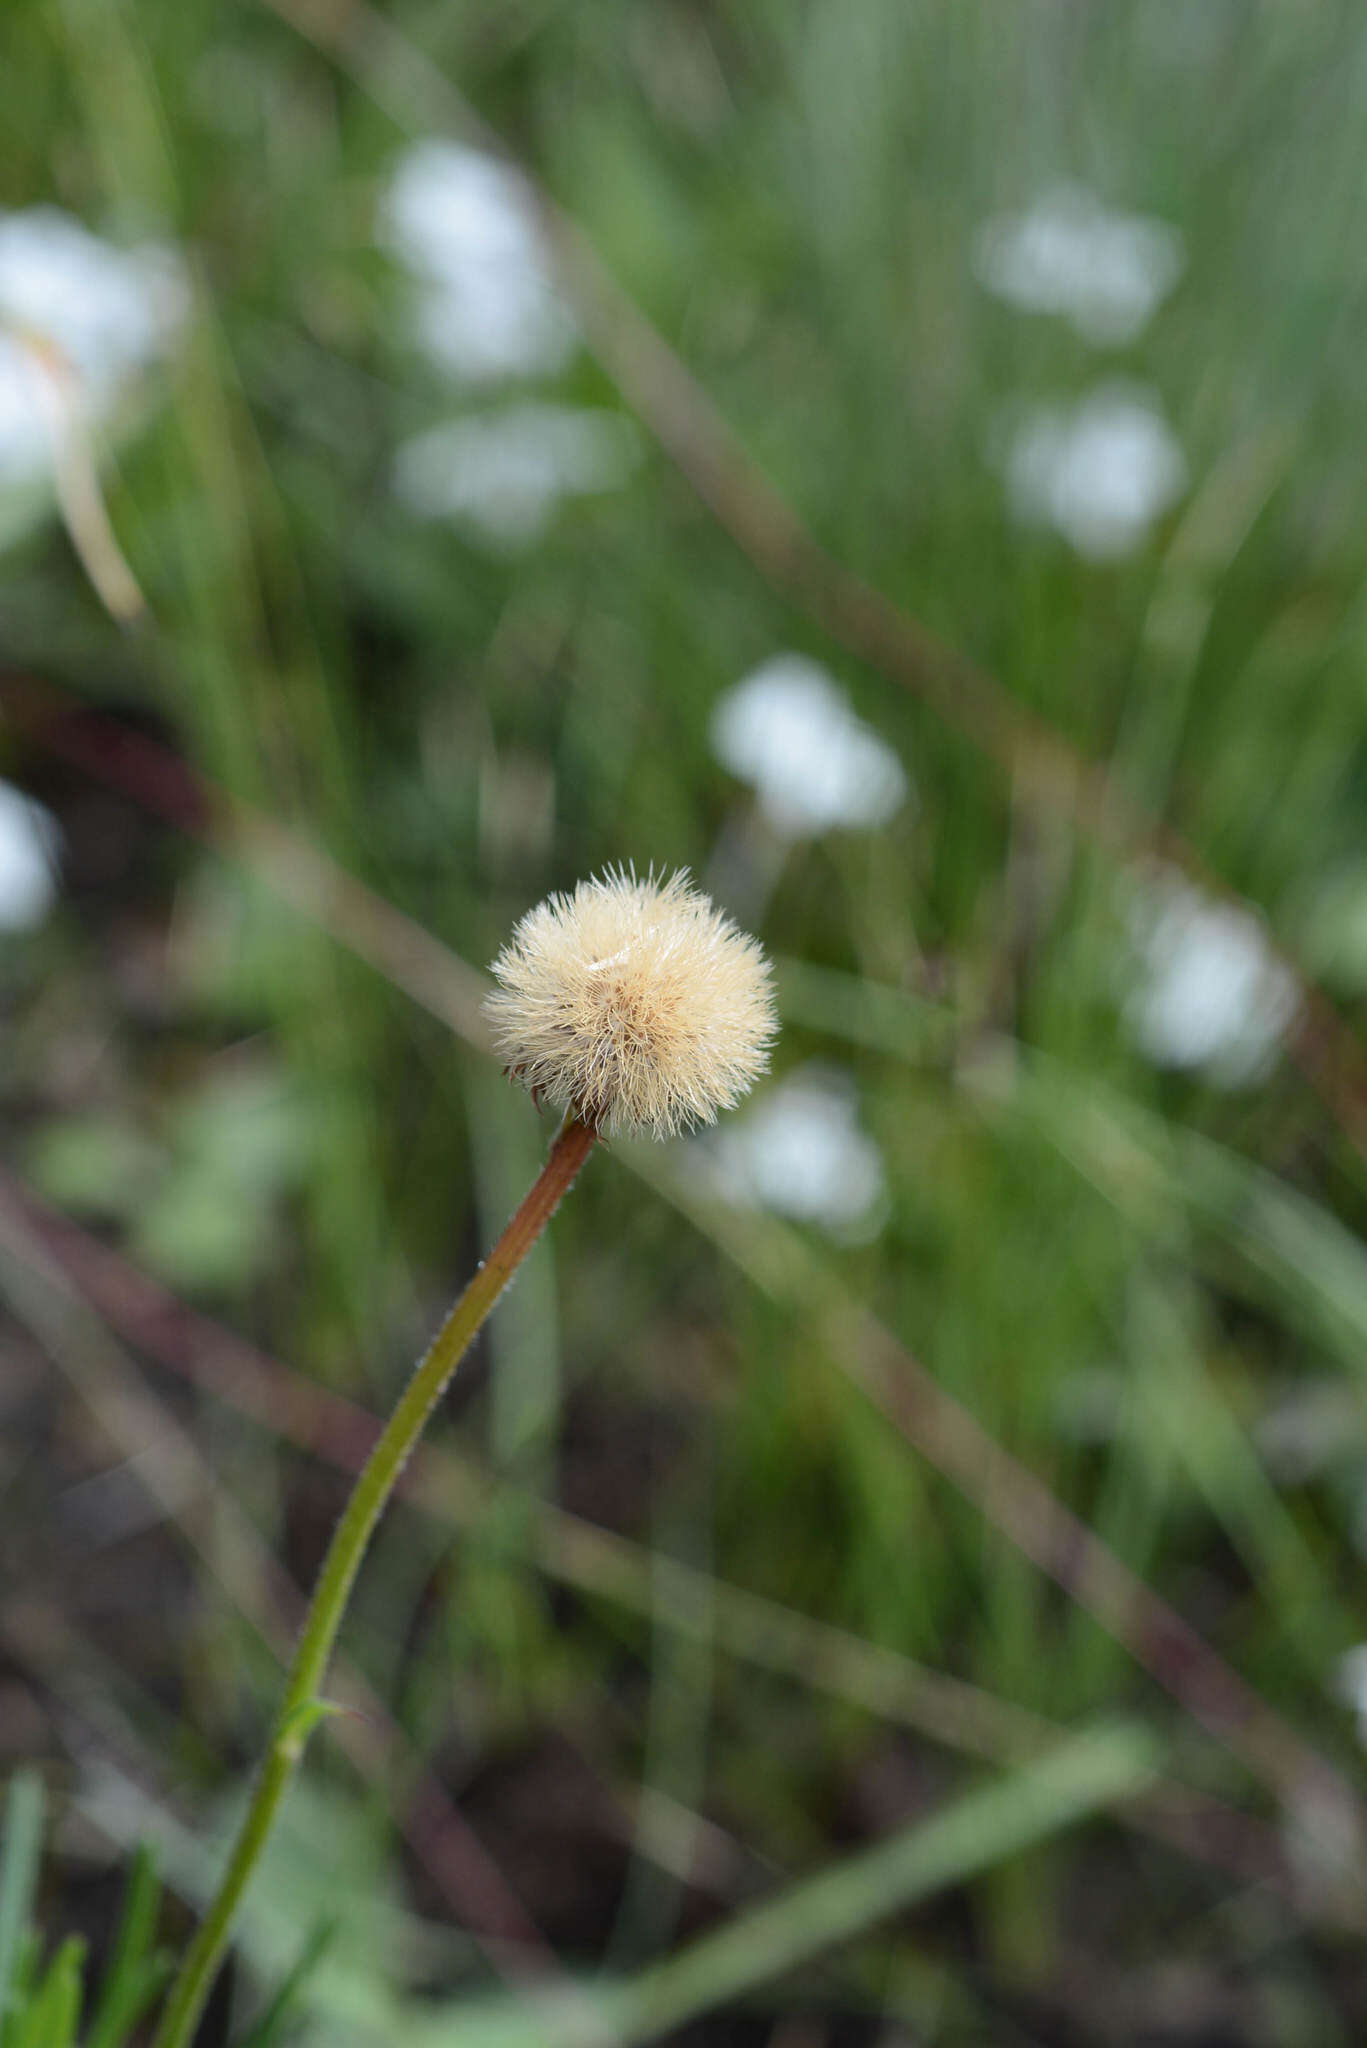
x,y
1150,1291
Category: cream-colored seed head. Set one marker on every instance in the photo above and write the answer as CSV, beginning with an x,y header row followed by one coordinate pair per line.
x,y
634,1004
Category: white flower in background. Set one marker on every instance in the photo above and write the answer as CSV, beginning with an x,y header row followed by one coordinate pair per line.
x,y
1106,272
463,224
800,1151
791,733
1350,1685
1211,993
107,310
1100,472
93,314
25,436
28,860
504,473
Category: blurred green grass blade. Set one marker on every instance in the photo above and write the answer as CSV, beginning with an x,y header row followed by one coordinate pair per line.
x,y
18,1872
135,1974
979,1831
23,1982
1296,1253
52,2018
1162,1176
525,1392
1159,1174
266,2029
1221,1463
862,1012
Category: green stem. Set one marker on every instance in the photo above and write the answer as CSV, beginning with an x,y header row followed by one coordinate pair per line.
x,y
301,1708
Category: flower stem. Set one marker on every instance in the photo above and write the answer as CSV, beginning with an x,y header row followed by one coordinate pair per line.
x,y
301,1708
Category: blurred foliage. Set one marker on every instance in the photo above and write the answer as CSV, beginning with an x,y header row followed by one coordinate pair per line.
x,y
41,1999
1150,1287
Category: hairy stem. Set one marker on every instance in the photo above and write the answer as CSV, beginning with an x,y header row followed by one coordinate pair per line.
x,y
301,1708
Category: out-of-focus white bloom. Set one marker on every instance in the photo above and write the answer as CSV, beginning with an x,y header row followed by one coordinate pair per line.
x,y
464,225
1350,1685
504,473
25,436
790,732
28,860
1106,272
1307,1431
107,310
1100,473
1212,992
801,1152
97,314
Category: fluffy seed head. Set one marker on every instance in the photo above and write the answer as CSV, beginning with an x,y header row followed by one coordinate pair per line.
x,y
635,1004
